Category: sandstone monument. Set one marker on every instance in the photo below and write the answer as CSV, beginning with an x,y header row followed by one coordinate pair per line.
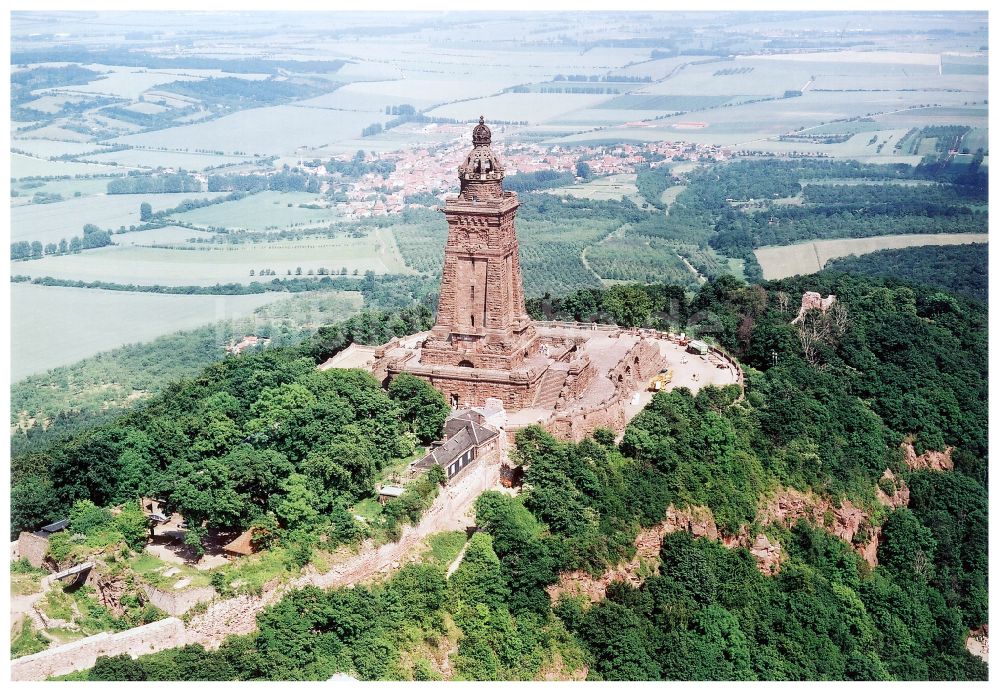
x,y
570,377
483,344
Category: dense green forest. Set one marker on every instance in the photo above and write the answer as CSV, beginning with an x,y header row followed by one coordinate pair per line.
x,y
962,269
93,390
233,93
896,362
164,183
748,202
260,437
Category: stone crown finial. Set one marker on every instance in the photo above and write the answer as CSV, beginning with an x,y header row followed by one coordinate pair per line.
x,y
481,134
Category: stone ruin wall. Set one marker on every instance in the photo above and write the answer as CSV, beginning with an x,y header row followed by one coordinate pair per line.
x,y
177,603
451,510
641,362
82,654
32,547
579,376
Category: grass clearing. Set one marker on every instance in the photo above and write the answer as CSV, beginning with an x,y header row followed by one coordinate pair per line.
x,y
809,257
444,547
25,640
249,574
25,579
151,569
369,508
605,188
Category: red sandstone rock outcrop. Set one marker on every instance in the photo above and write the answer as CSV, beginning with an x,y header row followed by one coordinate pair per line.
x,y
978,643
814,301
901,497
935,461
847,522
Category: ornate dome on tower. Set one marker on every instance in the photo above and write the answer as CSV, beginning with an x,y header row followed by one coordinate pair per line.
x,y
481,174
481,134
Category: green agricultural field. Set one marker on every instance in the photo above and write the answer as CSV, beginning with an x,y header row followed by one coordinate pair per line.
x,y
23,166
534,108
261,211
624,259
665,102
278,130
604,188
422,245
211,264
584,119
51,222
766,79
115,378
52,326
419,93
171,234
67,188
51,148
810,257
125,82
552,254
977,138
757,125
955,114
192,161
964,64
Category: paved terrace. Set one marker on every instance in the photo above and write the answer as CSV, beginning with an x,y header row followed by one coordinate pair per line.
x,y
607,345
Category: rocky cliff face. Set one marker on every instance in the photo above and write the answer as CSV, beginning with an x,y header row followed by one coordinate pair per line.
x,y
935,461
847,522
978,643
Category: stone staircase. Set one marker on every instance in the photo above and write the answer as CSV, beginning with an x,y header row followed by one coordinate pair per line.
x,y
548,390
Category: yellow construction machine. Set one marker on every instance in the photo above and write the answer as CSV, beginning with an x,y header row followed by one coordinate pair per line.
x,y
660,382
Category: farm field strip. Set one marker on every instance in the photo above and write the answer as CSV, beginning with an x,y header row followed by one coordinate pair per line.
x,y
279,130
65,219
25,167
44,148
605,188
533,107
213,264
164,158
809,257
267,209
81,322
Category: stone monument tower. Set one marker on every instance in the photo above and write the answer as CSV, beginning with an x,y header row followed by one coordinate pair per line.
x,y
481,319
483,345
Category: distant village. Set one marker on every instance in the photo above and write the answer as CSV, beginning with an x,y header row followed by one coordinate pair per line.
x,y
429,168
